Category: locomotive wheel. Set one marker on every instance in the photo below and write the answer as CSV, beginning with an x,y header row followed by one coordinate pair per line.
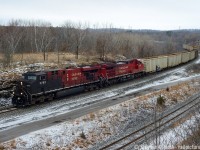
x,y
33,102
50,98
42,99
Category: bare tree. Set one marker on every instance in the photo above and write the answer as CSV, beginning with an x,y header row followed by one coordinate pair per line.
x,y
42,37
12,35
104,43
66,32
79,34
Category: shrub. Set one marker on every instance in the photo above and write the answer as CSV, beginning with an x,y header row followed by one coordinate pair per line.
x,y
167,89
82,135
161,101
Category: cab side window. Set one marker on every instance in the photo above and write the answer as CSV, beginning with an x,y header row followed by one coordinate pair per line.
x,y
42,77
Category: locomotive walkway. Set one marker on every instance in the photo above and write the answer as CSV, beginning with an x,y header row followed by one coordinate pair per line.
x,y
23,129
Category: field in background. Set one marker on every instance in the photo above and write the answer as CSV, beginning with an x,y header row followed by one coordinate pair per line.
x,y
51,57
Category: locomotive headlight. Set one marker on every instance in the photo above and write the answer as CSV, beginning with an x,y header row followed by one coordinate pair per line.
x,y
21,93
21,83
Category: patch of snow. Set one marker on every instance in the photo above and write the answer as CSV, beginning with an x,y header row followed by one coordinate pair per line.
x,y
57,109
172,137
175,77
5,102
198,61
95,125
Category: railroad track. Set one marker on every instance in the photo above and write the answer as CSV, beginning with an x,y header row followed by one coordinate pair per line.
x,y
7,109
149,129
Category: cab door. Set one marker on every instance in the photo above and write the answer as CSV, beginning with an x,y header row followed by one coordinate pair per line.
x,y
42,81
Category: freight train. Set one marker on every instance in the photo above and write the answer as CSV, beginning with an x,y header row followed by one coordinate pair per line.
x,y
47,85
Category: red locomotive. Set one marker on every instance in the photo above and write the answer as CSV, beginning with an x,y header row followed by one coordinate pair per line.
x,y
46,85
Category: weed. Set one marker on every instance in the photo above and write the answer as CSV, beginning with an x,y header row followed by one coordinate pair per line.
x,y
82,135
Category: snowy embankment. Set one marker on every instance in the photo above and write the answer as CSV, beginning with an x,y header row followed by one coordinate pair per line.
x,y
173,137
88,130
198,61
4,102
10,74
71,104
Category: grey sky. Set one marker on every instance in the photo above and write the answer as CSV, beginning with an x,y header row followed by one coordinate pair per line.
x,y
135,14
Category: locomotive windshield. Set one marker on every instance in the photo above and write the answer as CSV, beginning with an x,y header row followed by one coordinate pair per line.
x,y
32,78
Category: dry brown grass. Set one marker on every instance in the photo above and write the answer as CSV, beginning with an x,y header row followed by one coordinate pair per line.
x,y
92,116
52,57
13,144
181,121
2,147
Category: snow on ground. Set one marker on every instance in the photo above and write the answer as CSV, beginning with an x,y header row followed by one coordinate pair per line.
x,y
5,102
60,108
67,106
88,130
198,61
179,76
18,70
54,110
172,138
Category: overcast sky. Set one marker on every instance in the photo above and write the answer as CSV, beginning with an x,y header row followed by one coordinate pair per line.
x,y
135,14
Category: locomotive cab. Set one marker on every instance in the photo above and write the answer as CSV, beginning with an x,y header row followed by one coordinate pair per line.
x,y
32,83
36,87
36,80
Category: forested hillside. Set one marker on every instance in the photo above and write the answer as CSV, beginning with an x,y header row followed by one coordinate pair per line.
x,y
22,37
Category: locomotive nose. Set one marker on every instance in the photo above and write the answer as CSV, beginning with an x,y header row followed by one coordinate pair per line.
x,y
18,98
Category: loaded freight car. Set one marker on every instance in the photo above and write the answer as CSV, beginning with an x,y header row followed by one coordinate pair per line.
x,y
149,64
196,53
185,57
178,58
162,62
171,62
154,64
188,47
192,55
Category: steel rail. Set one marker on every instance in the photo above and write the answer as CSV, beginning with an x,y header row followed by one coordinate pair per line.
x,y
150,124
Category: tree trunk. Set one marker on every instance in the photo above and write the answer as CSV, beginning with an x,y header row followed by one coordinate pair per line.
x,y
77,48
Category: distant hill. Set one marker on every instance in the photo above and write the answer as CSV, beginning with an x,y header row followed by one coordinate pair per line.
x,y
116,30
